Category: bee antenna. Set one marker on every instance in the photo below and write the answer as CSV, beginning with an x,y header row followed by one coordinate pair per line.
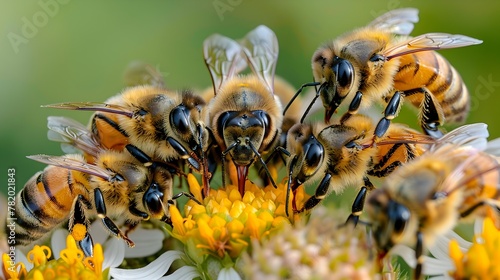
x,y
297,94
188,195
264,165
312,102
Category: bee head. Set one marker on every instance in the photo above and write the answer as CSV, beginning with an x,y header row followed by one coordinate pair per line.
x,y
157,198
243,133
389,219
337,77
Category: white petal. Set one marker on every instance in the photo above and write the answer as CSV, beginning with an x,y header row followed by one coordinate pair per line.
x,y
58,241
98,232
154,270
21,257
478,225
228,273
147,242
114,252
440,277
462,243
405,252
183,273
431,266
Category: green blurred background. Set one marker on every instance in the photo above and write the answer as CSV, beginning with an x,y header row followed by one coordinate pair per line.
x,y
77,51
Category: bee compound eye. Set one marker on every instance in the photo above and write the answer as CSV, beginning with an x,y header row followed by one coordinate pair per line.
x,y
313,152
398,217
179,119
344,72
153,199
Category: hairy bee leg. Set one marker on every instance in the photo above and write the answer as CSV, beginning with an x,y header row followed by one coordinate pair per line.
x,y
136,212
431,119
312,84
100,206
353,107
359,202
391,110
419,250
357,207
78,217
193,162
471,209
321,192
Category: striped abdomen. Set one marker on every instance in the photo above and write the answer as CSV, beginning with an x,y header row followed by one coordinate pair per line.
x,y
430,71
46,201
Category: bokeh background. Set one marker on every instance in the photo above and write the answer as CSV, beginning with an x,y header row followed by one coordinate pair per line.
x,y
54,51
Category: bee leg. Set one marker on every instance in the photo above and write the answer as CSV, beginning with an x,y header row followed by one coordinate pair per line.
x,y
471,209
359,202
87,245
321,192
391,110
312,84
353,107
78,225
357,207
136,212
100,206
432,115
131,227
191,158
419,250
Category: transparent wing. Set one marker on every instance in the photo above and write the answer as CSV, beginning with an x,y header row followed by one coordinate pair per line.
x,y
223,57
261,50
493,147
428,42
73,134
400,21
72,163
141,73
471,135
92,106
476,166
410,137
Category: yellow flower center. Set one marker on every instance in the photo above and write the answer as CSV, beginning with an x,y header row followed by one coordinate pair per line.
x,y
227,222
482,259
71,264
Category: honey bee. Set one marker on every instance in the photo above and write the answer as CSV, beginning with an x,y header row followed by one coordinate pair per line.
x,y
428,196
244,116
340,155
162,123
125,184
381,63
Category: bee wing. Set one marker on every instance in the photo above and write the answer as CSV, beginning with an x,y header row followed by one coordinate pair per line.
x,y
481,166
73,134
141,73
400,21
493,147
473,135
223,57
92,106
72,164
260,47
410,137
428,42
